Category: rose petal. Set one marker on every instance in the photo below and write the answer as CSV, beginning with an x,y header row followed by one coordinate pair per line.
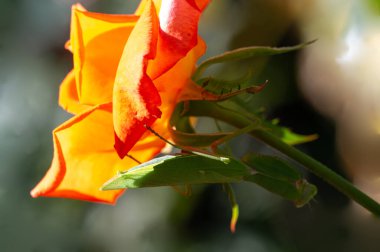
x,y
84,158
135,98
177,77
178,33
68,96
143,3
97,41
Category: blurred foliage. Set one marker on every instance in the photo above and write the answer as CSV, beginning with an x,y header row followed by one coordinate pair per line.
x,y
32,65
374,5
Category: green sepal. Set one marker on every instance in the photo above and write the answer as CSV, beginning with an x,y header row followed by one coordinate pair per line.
x,y
221,86
180,122
197,139
179,170
244,53
184,135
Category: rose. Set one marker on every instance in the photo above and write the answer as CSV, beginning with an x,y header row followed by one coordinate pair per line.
x,y
128,73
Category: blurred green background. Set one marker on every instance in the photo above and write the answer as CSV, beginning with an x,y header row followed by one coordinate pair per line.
x,y
33,62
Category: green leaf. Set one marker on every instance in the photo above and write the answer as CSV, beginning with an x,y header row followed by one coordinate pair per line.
x,y
244,53
179,170
279,177
283,188
374,6
273,167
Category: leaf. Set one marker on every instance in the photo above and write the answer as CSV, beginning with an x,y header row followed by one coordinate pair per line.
x,y
283,188
374,6
279,177
244,53
272,167
179,170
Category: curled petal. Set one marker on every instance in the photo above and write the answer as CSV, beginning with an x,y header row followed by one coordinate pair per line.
x,y
97,41
135,98
84,158
144,3
174,82
68,96
178,33
171,85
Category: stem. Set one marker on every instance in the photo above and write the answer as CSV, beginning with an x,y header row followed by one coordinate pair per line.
x,y
238,120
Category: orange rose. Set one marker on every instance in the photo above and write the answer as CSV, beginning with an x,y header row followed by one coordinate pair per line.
x,y
128,73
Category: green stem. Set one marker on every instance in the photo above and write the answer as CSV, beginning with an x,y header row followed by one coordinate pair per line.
x,y
240,121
